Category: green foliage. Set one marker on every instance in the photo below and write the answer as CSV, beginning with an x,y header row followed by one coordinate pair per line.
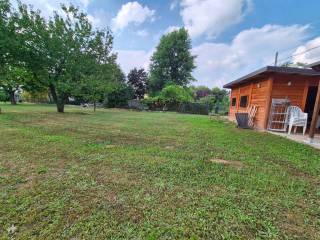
x,y
138,80
174,94
4,96
200,91
118,95
92,89
217,100
172,61
210,100
219,94
35,97
64,53
12,78
106,80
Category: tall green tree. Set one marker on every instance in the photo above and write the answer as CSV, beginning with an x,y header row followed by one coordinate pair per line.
x,y
138,80
13,71
64,51
7,33
172,61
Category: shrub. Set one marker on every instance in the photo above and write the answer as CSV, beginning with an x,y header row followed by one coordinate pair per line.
x,y
118,96
174,94
4,97
153,103
36,97
210,100
170,98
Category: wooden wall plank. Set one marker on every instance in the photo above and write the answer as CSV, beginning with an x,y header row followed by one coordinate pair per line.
x,y
261,92
268,101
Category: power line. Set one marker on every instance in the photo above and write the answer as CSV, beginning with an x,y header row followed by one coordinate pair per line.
x,y
297,54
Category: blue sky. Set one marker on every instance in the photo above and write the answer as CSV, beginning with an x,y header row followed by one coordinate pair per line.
x,y
230,38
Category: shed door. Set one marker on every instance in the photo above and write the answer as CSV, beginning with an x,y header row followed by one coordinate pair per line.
x,y
278,115
311,100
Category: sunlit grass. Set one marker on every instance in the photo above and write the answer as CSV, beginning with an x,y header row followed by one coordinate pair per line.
x,y
120,174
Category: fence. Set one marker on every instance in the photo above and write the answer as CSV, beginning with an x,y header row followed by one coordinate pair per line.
x,y
190,108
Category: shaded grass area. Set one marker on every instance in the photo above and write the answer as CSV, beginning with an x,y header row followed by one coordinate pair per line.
x,y
118,174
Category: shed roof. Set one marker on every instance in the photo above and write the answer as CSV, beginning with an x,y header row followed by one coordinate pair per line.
x,y
273,69
315,66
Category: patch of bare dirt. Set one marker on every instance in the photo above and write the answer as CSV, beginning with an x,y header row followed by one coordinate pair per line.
x,y
293,224
169,147
237,164
111,197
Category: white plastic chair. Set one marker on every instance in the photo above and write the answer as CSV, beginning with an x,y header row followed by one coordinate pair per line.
x,y
297,118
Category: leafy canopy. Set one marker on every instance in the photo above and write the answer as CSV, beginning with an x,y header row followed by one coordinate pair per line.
x,y
172,61
65,54
138,80
173,94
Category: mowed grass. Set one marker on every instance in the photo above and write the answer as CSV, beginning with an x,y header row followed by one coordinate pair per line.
x,y
118,174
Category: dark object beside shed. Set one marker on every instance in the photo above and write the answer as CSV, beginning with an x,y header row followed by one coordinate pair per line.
x,y
242,120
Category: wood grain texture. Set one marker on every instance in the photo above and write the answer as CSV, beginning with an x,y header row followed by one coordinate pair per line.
x,y
261,91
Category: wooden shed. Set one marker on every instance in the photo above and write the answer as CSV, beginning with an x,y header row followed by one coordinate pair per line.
x,y
297,85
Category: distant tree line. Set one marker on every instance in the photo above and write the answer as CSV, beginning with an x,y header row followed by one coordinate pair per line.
x,y
68,59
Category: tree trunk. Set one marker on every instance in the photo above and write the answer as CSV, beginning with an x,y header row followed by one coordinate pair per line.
x,y
12,98
94,106
58,100
60,107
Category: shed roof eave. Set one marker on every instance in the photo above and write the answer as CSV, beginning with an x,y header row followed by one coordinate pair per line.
x,y
248,76
311,65
273,69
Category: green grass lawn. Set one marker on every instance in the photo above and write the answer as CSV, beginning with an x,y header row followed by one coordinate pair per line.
x,y
118,174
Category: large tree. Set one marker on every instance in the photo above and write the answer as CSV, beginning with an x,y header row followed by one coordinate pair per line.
x,y
172,61
14,72
64,52
138,79
7,35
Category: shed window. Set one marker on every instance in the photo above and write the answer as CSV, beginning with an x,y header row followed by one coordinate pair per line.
x,y
233,102
244,101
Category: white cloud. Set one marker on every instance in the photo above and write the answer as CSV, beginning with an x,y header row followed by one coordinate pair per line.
x,y
47,7
211,17
171,29
309,52
129,59
85,3
99,18
131,12
143,33
219,63
174,4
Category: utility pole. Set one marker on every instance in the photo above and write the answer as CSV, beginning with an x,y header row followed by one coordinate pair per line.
x,y
276,59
